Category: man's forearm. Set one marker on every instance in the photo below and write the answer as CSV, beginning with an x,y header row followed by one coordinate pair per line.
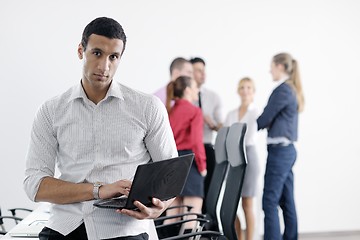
x,y
61,192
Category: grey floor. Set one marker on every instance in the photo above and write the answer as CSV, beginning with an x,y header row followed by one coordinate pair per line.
x,y
353,235
350,235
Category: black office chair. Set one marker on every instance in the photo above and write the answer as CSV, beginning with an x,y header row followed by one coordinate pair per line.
x,y
2,223
14,217
13,211
208,220
236,154
217,179
235,147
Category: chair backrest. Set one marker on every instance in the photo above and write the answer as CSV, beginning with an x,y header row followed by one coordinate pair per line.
x,y
217,178
235,148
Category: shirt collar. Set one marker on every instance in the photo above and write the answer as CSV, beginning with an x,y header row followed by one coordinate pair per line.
x,y
113,91
281,81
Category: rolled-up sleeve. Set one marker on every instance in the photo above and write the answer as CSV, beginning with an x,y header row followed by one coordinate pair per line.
x,y
159,140
41,155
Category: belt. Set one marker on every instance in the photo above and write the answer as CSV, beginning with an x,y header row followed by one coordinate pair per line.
x,y
279,144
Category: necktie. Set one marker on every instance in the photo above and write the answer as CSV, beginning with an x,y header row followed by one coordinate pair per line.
x,y
199,99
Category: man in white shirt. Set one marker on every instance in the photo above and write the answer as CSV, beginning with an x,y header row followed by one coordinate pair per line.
x,y
210,104
96,133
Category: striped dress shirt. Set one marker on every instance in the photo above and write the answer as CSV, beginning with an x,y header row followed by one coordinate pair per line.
x,y
102,142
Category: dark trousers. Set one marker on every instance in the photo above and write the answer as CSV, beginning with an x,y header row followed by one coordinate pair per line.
x,y
80,234
210,164
279,191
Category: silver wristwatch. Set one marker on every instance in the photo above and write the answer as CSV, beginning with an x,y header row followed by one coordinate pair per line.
x,y
96,188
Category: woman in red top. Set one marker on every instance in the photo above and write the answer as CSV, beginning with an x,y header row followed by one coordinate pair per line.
x,y
187,124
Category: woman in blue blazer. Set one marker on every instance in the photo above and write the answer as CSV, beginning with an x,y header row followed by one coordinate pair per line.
x,y
280,118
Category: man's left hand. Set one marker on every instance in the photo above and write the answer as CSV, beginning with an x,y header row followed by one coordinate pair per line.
x,y
147,212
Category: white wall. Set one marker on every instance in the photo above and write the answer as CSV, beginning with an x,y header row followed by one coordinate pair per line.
x,y
237,38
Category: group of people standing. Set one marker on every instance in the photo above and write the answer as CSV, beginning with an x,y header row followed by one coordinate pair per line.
x,y
195,114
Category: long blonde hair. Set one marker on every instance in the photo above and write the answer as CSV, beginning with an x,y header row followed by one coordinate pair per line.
x,y
292,69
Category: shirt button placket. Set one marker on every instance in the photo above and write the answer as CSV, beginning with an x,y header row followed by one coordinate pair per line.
x,y
97,136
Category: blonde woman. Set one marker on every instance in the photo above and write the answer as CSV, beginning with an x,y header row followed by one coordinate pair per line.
x,y
246,113
280,118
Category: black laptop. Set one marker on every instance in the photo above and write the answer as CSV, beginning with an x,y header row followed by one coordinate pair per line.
x,y
162,179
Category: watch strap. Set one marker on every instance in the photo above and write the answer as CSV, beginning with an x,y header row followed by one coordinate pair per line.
x,y
96,189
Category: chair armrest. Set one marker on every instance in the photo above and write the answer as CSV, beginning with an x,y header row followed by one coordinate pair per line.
x,y
17,219
209,234
188,207
13,210
178,228
202,222
199,215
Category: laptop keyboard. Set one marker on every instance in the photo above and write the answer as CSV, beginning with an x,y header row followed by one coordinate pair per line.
x,y
113,203
119,202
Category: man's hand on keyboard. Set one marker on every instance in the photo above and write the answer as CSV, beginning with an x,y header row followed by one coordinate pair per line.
x,y
116,189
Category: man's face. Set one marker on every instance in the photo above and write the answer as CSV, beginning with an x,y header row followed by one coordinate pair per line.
x,y
101,59
186,70
199,73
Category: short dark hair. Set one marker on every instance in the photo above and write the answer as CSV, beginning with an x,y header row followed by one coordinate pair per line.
x,y
196,60
106,27
177,63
